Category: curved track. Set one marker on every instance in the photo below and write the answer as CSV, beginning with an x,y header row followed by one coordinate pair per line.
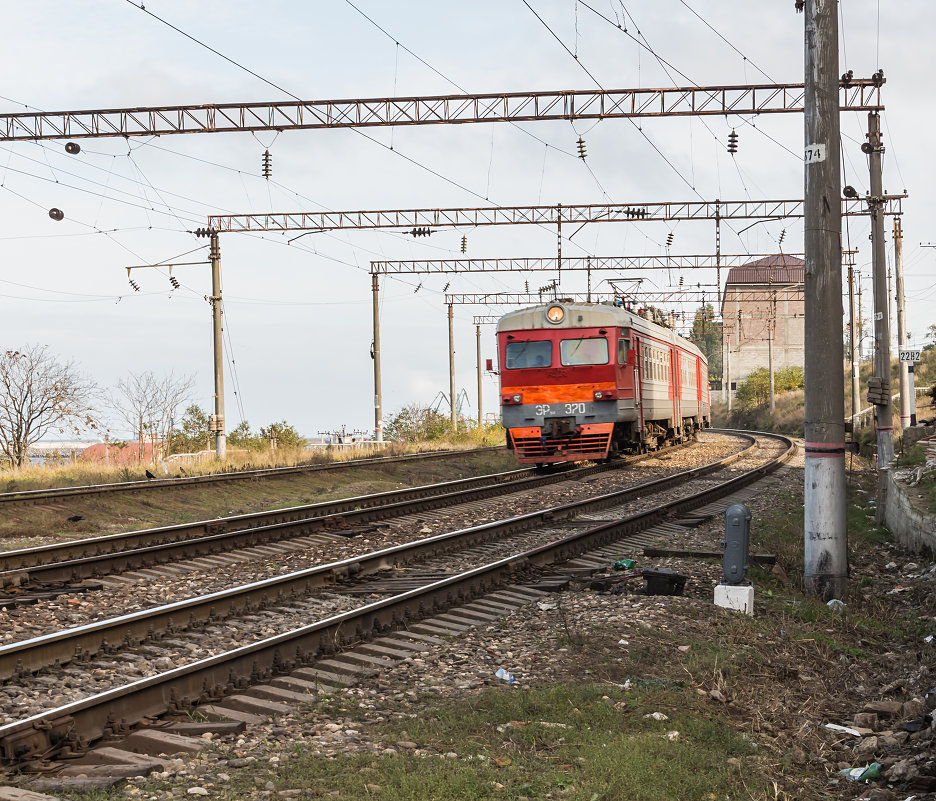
x,y
71,728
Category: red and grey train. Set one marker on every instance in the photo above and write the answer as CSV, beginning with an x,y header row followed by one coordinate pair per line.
x,y
591,380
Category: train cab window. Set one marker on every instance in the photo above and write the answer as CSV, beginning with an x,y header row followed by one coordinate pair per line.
x,y
623,350
586,350
533,353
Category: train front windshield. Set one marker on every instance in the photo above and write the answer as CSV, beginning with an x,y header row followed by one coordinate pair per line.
x,y
587,350
532,353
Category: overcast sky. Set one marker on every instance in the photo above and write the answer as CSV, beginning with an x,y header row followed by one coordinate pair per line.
x,y
298,313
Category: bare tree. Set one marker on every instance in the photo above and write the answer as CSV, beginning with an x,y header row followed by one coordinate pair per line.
x,y
148,403
37,394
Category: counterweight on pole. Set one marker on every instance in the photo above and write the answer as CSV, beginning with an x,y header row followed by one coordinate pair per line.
x,y
825,533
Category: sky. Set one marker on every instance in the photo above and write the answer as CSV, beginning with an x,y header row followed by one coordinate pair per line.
x,y
298,310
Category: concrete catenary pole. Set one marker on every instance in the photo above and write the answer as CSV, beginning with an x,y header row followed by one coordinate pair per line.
x,y
879,390
451,332
853,349
907,400
215,256
727,361
480,412
378,399
770,326
824,520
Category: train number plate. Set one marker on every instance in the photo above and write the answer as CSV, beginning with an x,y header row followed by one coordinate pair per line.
x,y
545,409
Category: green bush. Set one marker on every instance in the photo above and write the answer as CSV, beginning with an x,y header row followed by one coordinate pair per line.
x,y
415,423
755,389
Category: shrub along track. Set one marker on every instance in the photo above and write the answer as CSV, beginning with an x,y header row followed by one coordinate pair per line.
x,y
70,728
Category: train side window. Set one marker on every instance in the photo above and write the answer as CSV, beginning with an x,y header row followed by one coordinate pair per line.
x,y
533,353
623,350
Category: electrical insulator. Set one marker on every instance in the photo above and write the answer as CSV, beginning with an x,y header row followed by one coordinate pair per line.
x,y
421,232
174,281
733,141
782,235
203,232
669,239
417,288
135,285
267,164
581,148
73,148
464,244
57,214
680,280
526,286
445,288
638,213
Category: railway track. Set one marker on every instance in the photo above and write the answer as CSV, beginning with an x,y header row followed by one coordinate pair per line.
x,y
440,571
30,572
9,499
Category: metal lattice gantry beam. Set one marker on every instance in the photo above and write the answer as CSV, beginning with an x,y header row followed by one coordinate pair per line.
x,y
687,295
692,101
551,264
521,298
534,215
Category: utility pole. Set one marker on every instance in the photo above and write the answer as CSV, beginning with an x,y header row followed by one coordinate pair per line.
x,y
860,322
718,252
375,354
217,423
451,332
879,387
853,349
480,412
770,323
824,519
907,395
727,330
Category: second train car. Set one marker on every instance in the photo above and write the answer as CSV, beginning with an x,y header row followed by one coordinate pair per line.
x,y
590,380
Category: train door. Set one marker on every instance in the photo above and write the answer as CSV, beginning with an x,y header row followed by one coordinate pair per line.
x,y
638,382
699,386
676,389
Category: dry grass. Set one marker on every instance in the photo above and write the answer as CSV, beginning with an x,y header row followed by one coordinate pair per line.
x,y
78,474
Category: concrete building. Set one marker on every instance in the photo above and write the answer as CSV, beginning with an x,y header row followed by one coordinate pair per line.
x,y
763,314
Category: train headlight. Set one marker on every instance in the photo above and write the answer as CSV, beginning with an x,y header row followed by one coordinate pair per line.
x,y
598,395
517,398
555,314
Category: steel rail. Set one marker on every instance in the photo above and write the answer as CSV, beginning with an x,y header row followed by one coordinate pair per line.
x,y
295,522
70,729
41,495
73,560
45,557
60,647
